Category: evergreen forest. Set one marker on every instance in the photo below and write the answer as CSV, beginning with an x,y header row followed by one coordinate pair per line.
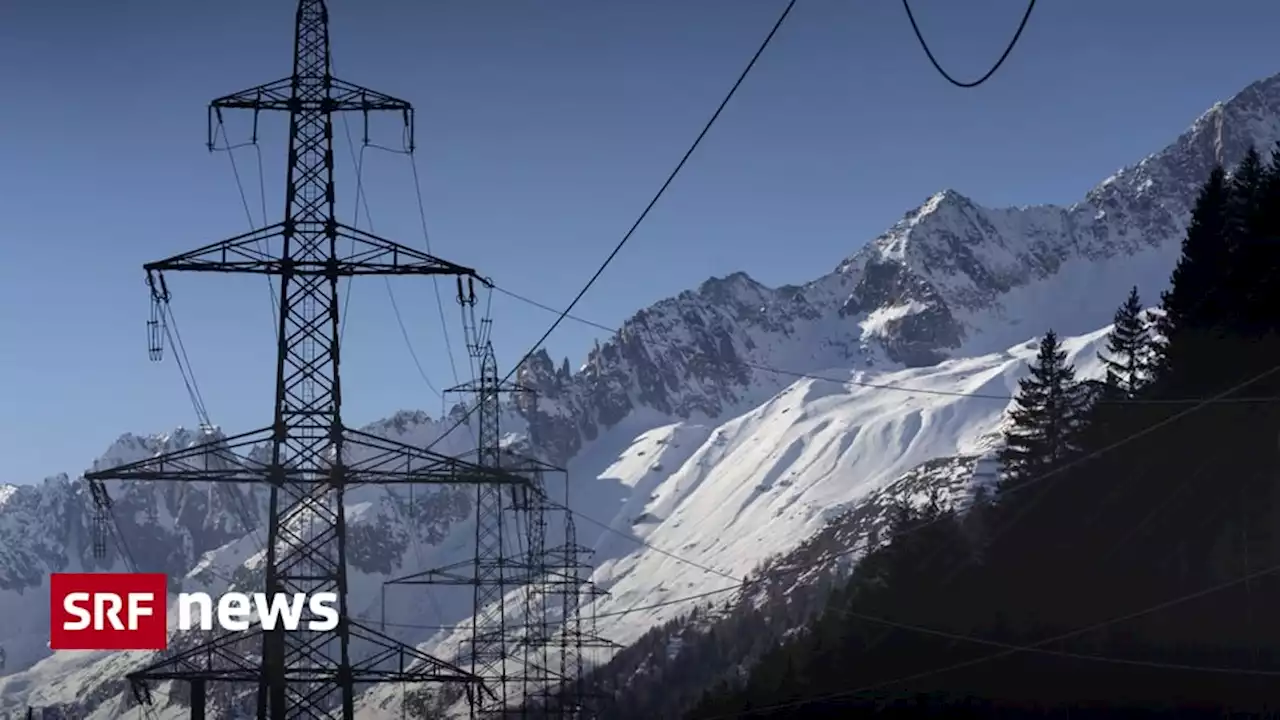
x,y
1127,562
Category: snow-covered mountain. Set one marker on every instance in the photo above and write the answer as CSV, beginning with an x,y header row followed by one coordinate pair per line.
x,y
679,432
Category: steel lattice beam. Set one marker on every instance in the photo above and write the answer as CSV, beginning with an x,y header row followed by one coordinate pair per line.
x,y
488,619
312,457
491,573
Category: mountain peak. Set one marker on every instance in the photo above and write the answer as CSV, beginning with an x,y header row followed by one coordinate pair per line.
x,y
951,276
130,447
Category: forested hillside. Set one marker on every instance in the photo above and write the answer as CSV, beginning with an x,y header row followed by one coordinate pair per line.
x,y
1127,558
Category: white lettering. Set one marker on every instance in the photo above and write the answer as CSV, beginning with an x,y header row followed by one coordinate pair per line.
x,y
233,607
235,610
280,606
320,605
71,604
200,600
135,609
106,606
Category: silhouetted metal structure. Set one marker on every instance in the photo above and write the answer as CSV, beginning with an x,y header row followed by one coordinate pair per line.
x,y
516,658
577,640
493,571
312,458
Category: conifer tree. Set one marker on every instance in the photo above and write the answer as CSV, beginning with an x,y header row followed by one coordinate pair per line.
x,y
1255,225
1195,301
1247,188
1046,416
1246,218
1129,349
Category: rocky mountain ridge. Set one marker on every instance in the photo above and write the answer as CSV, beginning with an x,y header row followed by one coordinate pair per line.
x,y
951,279
930,287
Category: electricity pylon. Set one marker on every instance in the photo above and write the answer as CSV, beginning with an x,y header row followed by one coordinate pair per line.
x,y
492,571
312,458
578,639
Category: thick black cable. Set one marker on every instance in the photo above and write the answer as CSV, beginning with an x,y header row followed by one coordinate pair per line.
x,y
643,214
906,4
661,190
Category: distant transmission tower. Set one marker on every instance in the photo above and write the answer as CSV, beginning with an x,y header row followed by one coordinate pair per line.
x,y
578,639
313,457
497,650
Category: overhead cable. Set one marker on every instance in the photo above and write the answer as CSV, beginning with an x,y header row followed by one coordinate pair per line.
x,y
906,4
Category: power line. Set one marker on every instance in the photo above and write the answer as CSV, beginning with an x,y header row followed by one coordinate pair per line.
x,y
247,518
906,4
644,213
184,366
1061,653
230,149
435,281
362,198
661,190
858,383
169,321
855,547
644,543
357,166
1036,647
1026,507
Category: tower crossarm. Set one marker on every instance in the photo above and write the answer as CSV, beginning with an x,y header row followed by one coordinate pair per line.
x,y
226,657
460,573
307,456
357,253
473,387
384,461
341,96
392,661
217,460
464,573
377,460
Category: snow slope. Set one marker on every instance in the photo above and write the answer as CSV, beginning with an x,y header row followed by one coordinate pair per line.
x,y
724,496
678,436
763,480
771,477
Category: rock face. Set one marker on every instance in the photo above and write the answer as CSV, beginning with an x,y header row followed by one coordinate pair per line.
x,y
931,287
950,279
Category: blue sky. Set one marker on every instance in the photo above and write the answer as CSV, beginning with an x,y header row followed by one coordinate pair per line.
x,y
543,130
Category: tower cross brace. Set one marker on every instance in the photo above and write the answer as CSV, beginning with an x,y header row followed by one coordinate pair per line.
x,y
491,572
313,457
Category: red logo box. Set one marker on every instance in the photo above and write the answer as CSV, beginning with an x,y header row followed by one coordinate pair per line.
x,y
108,611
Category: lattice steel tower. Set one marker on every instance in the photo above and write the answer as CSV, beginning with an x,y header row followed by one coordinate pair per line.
x,y
493,571
312,458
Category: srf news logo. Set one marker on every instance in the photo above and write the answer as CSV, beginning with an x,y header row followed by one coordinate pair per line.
x,y
127,611
108,611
